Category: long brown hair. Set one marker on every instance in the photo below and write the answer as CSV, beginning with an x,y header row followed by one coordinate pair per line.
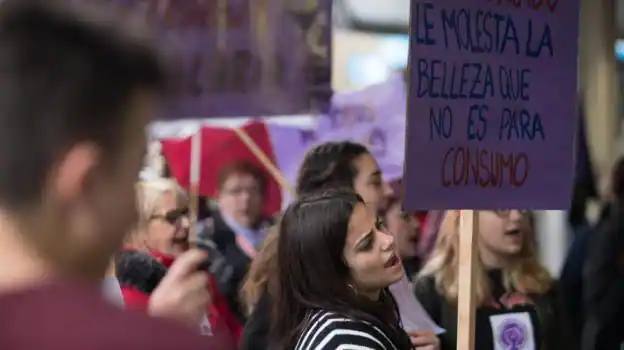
x,y
312,273
326,166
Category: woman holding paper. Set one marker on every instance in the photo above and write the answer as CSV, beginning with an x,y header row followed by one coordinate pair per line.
x,y
335,264
516,303
328,166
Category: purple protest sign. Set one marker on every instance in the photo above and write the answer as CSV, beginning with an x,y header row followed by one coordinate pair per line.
x,y
375,117
244,57
290,145
492,106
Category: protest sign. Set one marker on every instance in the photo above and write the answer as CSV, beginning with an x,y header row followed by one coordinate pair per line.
x,y
492,114
290,145
244,57
374,117
492,105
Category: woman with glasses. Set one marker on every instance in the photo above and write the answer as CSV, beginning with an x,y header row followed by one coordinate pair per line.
x,y
163,218
162,234
516,303
238,225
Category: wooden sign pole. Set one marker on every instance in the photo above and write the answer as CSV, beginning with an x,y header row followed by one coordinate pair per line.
x,y
468,228
277,175
196,144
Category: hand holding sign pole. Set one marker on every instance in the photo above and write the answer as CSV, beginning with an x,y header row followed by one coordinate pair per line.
x,y
491,113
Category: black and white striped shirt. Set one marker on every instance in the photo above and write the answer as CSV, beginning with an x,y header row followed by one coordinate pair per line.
x,y
329,331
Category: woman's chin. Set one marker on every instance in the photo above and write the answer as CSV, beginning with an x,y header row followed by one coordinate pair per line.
x,y
397,272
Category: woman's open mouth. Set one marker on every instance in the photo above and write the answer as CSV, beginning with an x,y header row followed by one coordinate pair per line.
x,y
515,232
393,261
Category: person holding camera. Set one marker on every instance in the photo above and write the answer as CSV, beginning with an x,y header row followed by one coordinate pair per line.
x,y
162,233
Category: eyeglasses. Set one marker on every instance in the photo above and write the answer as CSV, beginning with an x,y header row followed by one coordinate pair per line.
x,y
237,191
172,216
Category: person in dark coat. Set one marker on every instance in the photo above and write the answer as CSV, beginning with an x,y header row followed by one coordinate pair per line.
x,y
603,275
238,226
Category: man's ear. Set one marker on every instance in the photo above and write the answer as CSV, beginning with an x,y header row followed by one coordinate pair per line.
x,y
70,178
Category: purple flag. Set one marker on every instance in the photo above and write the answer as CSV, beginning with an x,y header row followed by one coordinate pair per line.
x,y
374,117
244,57
492,104
290,145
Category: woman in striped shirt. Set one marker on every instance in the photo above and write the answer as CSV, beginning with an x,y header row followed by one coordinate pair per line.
x,y
334,266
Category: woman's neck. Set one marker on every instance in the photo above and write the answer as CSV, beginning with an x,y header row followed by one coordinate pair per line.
x,y
372,295
493,261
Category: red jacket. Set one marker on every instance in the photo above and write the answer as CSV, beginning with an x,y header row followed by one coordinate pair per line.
x,y
224,324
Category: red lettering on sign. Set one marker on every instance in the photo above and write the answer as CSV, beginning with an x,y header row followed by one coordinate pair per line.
x,y
484,168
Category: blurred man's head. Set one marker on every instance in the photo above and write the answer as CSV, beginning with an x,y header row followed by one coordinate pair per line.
x,y
241,193
75,95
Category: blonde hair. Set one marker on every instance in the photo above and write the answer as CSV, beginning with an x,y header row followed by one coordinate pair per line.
x,y
148,195
525,274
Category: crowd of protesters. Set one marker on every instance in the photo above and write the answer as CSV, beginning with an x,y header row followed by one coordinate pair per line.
x,y
91,258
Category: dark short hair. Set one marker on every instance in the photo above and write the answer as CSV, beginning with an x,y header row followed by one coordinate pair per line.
x,y
329,165
68,73
312,272
238,168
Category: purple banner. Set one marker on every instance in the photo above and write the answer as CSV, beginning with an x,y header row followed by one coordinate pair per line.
x,y
492,109
244,57
290,145
375,117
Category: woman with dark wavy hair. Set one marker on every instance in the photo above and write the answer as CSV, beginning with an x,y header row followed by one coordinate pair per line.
x,y
335,263
328,166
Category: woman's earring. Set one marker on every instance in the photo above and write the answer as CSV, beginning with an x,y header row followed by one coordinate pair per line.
x,y
352,288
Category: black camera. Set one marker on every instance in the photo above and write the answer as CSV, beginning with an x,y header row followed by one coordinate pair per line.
x,y
215,264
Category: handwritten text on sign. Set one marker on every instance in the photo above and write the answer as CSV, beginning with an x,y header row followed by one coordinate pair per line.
x,y
492,103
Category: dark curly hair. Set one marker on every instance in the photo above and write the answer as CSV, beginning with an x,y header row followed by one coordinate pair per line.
x,y
329,165
312,273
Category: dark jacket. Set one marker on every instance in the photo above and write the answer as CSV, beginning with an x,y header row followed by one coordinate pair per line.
x,y
571,281
225,240
604,284
544,316
256,332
